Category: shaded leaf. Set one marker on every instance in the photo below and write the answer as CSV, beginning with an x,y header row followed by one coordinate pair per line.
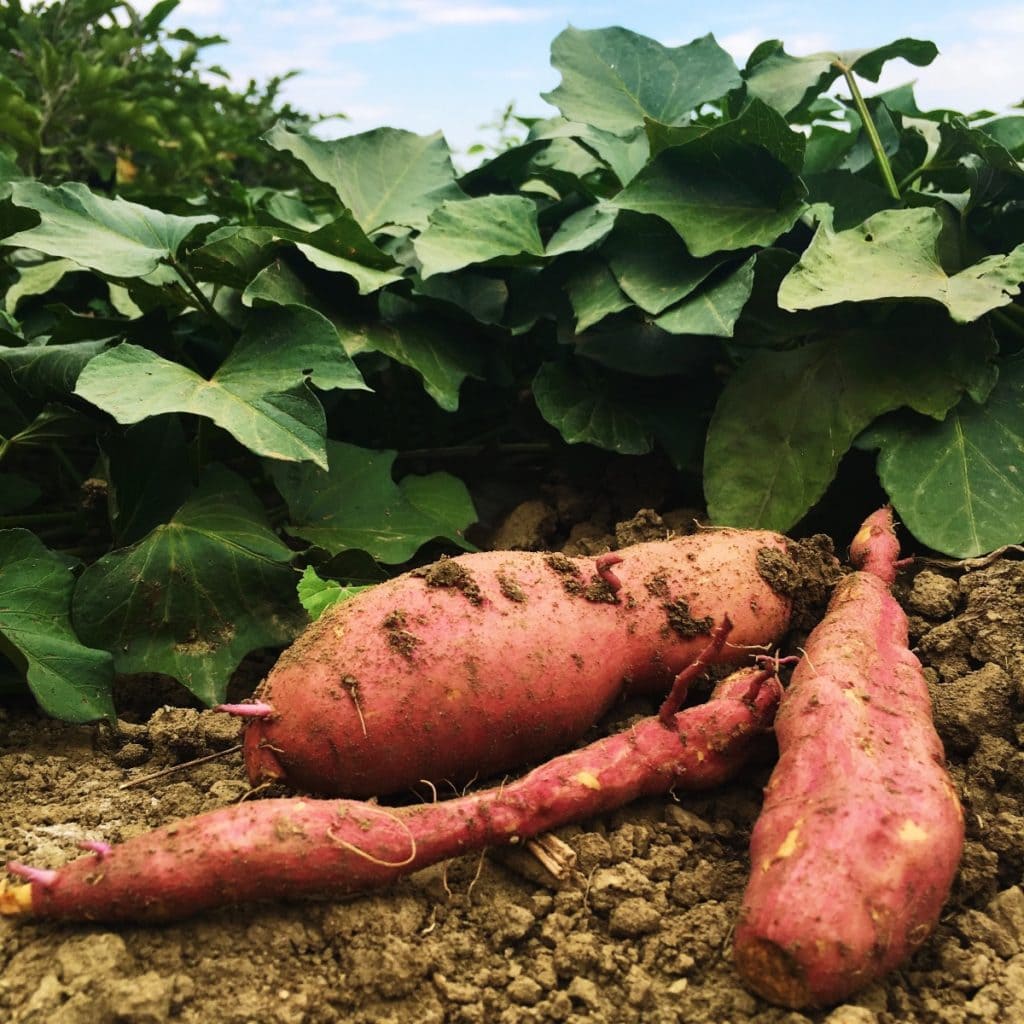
x,y
357,504
728,189
586,408
713,310
594,293
477,230
958,485
70,680
195,595
651,263
37,279
896,254
613,78
112,236
49,372
785,419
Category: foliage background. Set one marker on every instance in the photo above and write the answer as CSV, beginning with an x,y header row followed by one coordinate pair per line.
x,y
230,350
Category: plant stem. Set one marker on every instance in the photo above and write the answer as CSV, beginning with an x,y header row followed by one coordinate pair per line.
x,y
1003,316
192,286
869,126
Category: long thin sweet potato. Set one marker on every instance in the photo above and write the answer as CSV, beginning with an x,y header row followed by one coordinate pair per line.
x,y
861,831
485,662
293,848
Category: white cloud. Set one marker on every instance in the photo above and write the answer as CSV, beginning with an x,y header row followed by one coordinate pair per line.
x,y
741,44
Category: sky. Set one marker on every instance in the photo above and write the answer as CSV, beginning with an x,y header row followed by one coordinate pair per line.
x,y
453,65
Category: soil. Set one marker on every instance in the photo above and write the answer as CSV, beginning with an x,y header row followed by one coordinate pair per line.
x,y
642,932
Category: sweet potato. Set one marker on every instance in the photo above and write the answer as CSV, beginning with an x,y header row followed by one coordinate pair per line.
x,y
861,830
490,661
292,848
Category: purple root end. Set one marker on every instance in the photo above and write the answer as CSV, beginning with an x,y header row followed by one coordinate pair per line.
x,y
42,877
96,846
255,710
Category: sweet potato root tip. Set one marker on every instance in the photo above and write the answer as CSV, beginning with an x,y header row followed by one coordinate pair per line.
x,y
773,974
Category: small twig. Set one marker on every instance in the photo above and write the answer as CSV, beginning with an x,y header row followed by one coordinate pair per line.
x,y
180,767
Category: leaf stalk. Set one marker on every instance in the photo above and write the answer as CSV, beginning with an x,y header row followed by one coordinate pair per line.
x,y
869,126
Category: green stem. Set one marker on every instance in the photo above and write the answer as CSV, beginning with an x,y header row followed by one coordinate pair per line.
x,y
192,286
1003,317
869,126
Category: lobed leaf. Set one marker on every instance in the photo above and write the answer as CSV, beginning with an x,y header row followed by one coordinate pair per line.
x,y
733,186
112,236
958,485
259,393
785,419
358,505
477,230
385,176
613,78
70,680
196,594
896,254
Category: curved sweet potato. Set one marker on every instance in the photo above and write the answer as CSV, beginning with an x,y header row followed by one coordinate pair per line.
x,y
288,849
489,661
861,832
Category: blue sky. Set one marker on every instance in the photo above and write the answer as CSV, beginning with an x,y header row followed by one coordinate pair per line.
x,y
452,65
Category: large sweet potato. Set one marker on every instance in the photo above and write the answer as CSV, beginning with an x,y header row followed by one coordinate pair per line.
x,y
489,661
861,831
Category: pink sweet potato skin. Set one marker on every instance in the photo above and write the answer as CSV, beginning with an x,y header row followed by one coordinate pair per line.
x,y
489,661
295,848
861,832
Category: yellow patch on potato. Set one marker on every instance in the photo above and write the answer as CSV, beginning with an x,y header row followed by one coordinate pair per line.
x,y
786,848
587,779
911,832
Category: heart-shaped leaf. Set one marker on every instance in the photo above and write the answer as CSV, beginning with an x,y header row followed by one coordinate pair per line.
x,y
196,594
358,505
112,236
70,680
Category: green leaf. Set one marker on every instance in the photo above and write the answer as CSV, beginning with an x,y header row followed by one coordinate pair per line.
x,y
613,78
438,354
258,394
196,594
149,476
958,485
582,229
728,189
651,263
317,595
590,409
37,279
477,230
789,83
385,176
49,371
713,310
642,349
624,157
895,254
785,419
357,504
594,293
70,681
111,236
